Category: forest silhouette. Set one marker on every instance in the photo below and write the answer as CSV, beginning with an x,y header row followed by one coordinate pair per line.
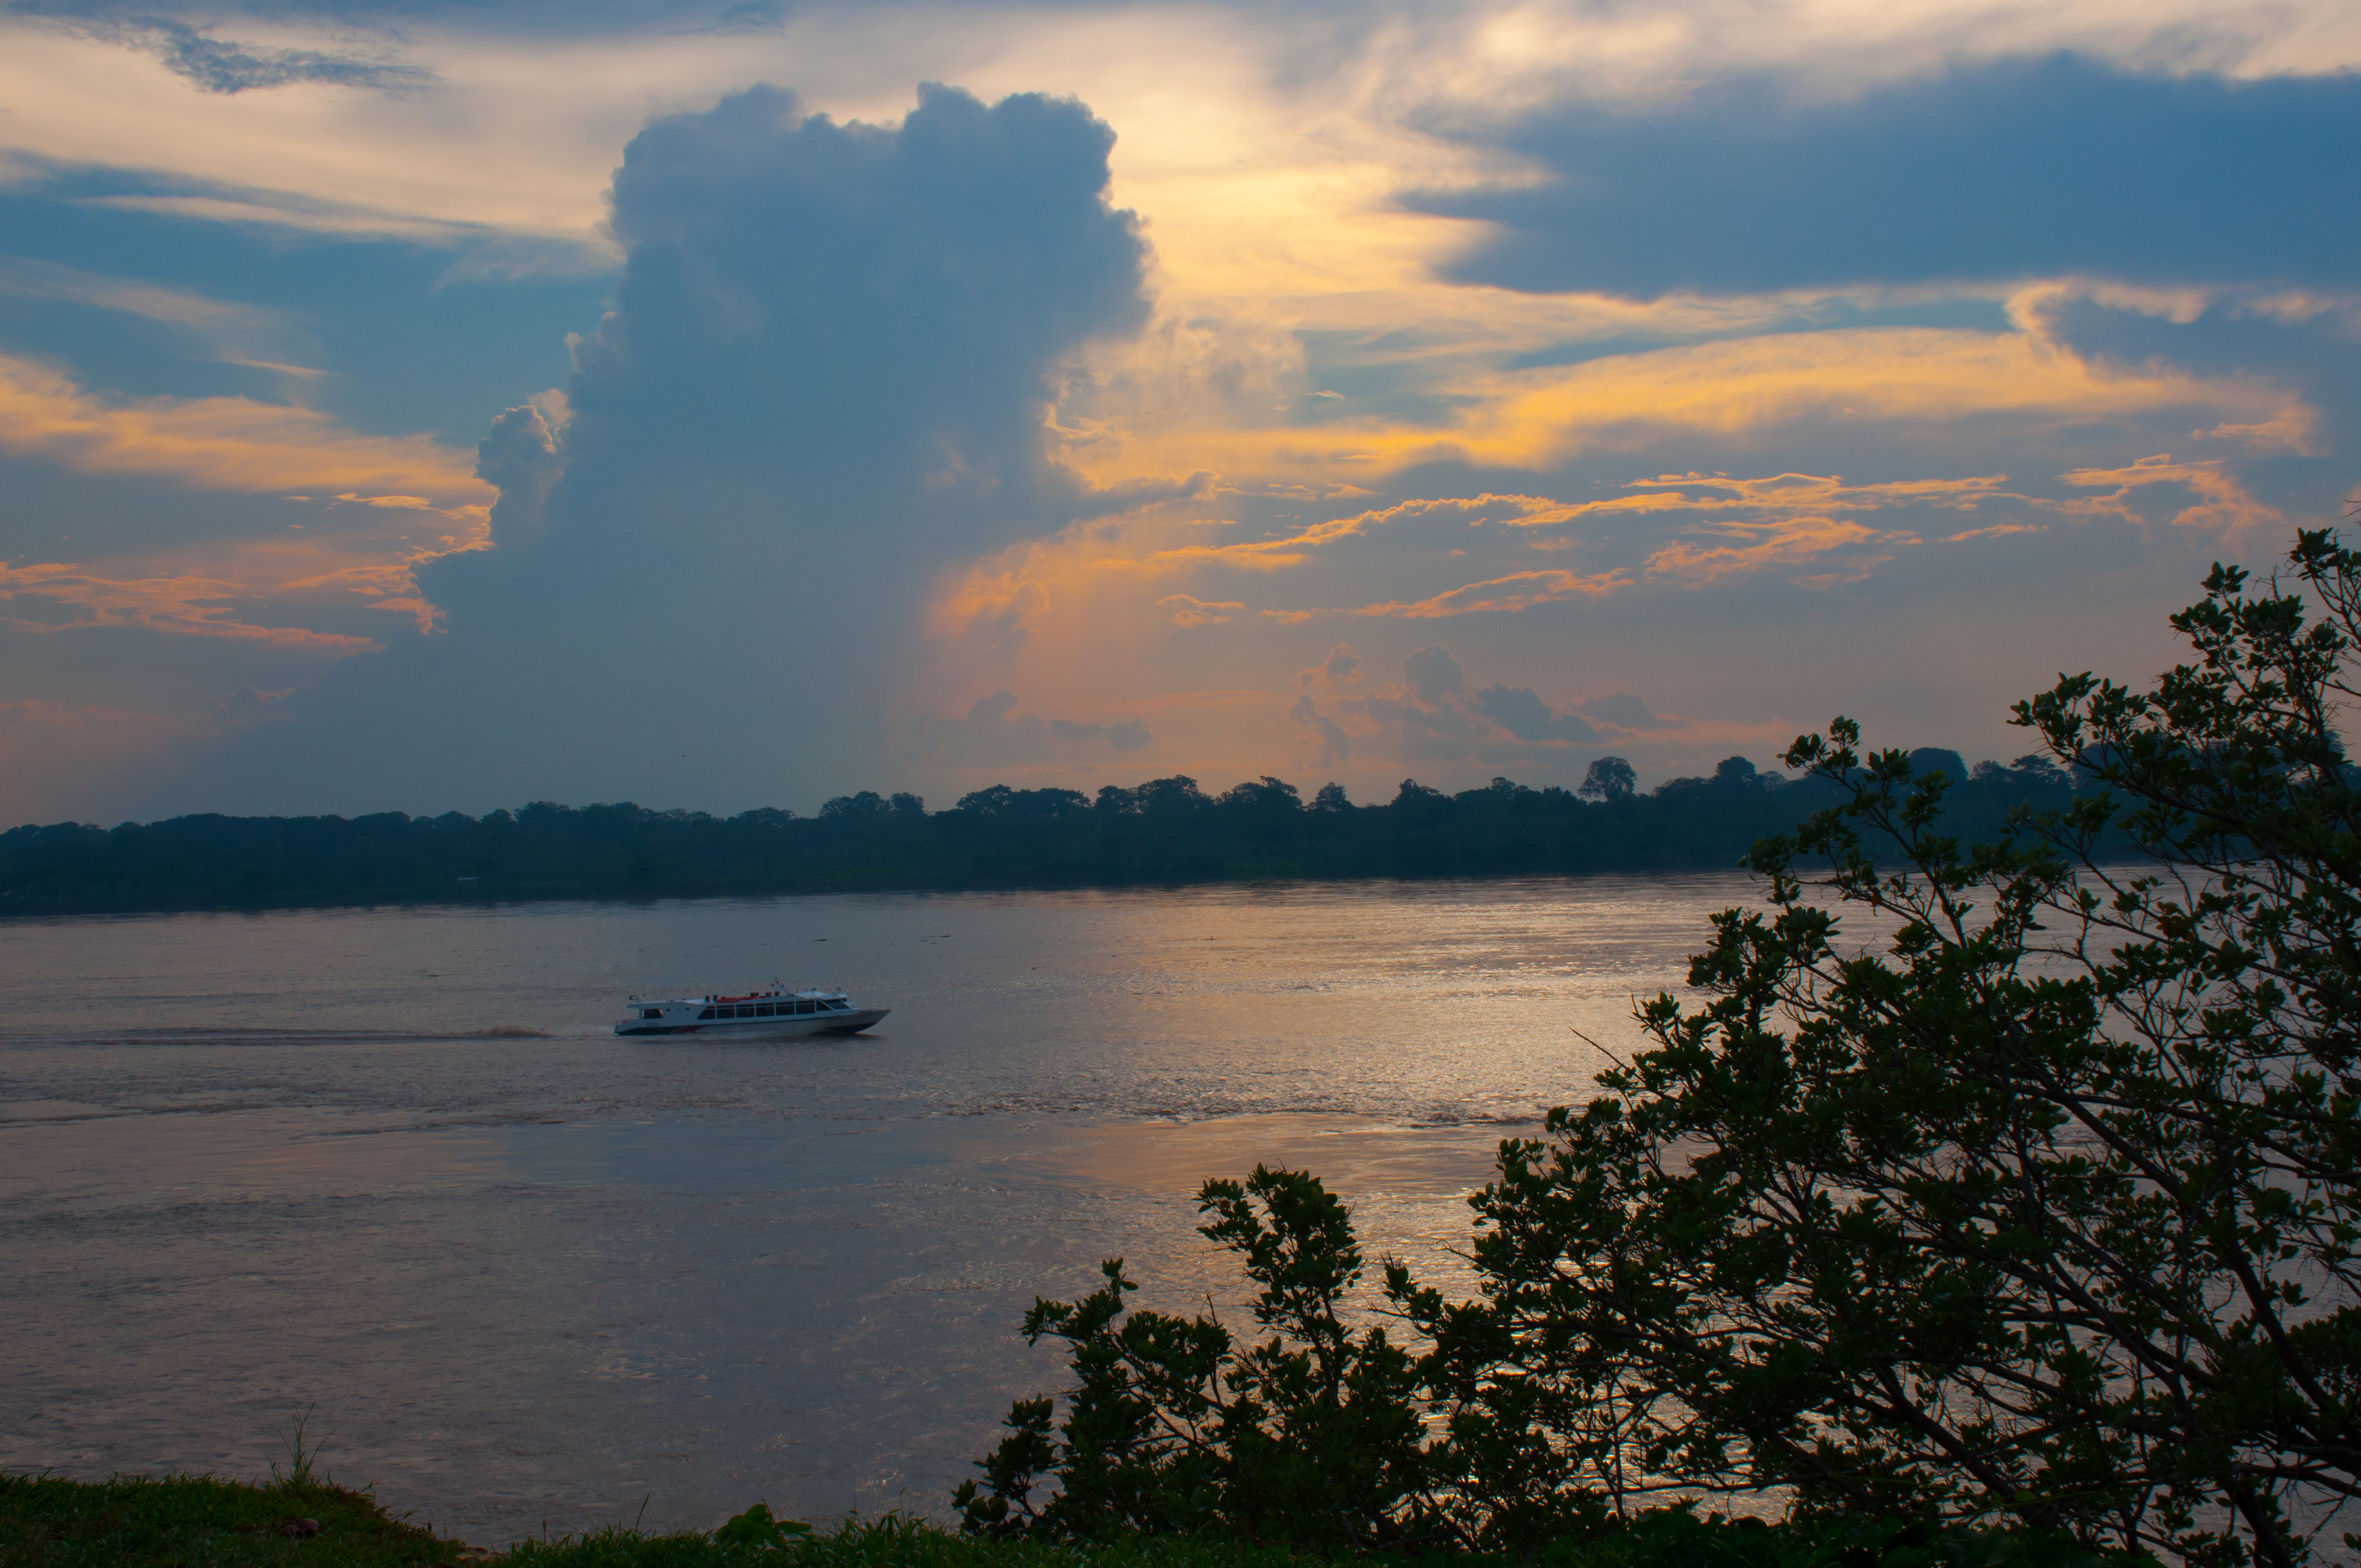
x,y
1165,830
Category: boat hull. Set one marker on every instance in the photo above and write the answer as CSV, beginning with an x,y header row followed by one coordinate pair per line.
x,y
802,1024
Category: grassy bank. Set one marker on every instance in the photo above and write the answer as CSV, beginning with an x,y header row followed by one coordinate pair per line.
x,y
185,1521
201,1523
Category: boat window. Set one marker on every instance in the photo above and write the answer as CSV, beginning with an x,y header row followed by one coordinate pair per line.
x,y
651,1012
837,1006
707,1013
763,1010
804,1007
745,1010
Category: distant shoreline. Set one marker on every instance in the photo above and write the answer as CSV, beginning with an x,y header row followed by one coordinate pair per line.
x,y
1165,833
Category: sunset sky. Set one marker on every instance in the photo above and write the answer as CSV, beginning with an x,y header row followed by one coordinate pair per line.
x,y
741,402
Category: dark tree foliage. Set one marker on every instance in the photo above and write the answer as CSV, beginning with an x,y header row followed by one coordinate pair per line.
x,y
1164,830
2049,1209
1609,778
2033,1202
1323,1439
1311,1438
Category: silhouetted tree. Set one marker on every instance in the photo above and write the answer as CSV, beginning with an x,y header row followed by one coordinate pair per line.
x,y
1609,778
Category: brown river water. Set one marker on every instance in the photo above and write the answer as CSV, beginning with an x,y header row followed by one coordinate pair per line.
x,y
253,1166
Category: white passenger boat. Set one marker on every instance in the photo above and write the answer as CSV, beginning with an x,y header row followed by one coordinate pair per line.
x,y
769,1014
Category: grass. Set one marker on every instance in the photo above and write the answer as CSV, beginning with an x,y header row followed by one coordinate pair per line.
x,y
201,1523
185,1521
887,1543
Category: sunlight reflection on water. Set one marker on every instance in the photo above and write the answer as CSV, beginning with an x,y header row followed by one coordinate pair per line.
x,y
250,1164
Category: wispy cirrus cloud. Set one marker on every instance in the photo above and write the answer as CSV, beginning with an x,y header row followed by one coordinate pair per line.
x,y
1502,596
1295,549
182,605
226,67
1186,609
1856,380
235,333
2222,504
1780,543
1778,494
220,443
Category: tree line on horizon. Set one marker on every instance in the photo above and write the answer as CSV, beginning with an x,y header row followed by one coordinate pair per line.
x,y
1165,830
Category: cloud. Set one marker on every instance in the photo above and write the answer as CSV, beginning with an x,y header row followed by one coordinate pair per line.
x,y
992,735
821,312
380,509
1341,665
190,606
1522,713
479,252
831,392
1295,549
217,444
1996,531
1504,596
823,383
238,334
1783,494
1782,542
2224,504
1436,716
1621,709
289,576
1331,743
1433,672
1932,384
1000,600
1997,170
1786,520
1128,736
218,65
1182,610
523,455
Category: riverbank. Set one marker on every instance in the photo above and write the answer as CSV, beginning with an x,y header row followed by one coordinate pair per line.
x,y
173,1521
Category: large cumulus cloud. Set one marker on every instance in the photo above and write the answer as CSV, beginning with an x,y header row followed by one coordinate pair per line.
x,y
848,324
824,375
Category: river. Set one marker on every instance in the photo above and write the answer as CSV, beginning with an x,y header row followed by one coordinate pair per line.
x,y
392,1171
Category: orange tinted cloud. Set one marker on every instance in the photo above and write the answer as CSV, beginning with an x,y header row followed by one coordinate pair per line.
x,y
2223,502
221,443
1295,549
1996,531
1518,591
1534,418
193,606
1791,493
409,500
1183,610
1782,542
1784,521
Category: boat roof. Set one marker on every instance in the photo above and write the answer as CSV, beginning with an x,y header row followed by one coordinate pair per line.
x,y
813,993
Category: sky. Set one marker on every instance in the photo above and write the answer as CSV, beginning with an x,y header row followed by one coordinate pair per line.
x,y
726,403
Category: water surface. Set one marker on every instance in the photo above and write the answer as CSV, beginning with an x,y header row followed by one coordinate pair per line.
x,y
258,1164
